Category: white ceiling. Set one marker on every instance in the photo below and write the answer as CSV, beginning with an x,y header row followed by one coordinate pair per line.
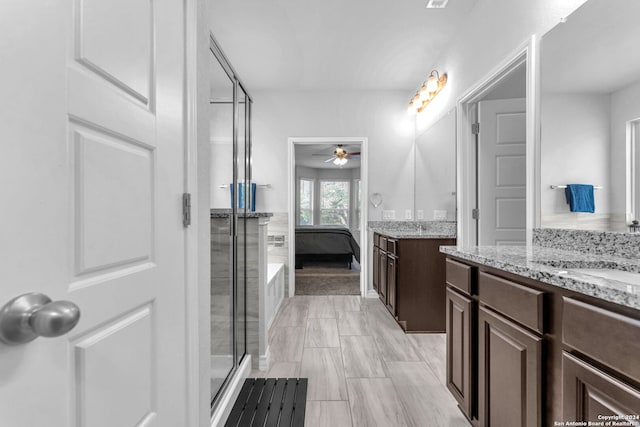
x,y
334,44
595,51
314,156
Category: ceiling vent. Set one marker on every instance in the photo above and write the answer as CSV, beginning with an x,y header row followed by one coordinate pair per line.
x,y
437,4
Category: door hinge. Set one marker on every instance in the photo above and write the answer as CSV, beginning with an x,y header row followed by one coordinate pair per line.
x,y
186,209
475,128
475,213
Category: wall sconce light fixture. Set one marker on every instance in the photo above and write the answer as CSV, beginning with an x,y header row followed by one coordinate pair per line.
x,y
429,89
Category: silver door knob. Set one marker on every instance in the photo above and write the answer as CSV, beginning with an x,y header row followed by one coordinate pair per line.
x,y
34,315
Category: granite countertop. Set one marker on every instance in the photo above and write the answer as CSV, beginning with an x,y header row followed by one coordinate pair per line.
x,y
415,229
224,213
554,267
414,234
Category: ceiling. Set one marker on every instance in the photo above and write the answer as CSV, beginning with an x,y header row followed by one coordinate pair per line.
x,y
314,156
334,44
595,51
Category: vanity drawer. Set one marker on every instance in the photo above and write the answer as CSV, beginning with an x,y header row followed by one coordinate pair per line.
x,y
382,243
521,303
459,275
391,246
606,336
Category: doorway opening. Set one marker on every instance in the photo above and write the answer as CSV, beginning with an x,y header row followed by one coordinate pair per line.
x,y
327,216
497,155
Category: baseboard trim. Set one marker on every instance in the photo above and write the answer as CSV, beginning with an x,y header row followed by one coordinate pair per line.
x,y
219,417
372,294
263,362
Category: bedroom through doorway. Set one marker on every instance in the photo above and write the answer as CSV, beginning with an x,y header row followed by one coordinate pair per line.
x,y
327,219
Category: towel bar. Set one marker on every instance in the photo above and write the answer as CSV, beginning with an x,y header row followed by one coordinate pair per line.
x,y
554,187
259,186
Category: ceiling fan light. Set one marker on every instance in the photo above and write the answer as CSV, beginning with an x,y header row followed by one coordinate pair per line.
x,y
340,162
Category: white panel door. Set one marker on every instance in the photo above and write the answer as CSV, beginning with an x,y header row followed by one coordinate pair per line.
x,y
91,172
502,172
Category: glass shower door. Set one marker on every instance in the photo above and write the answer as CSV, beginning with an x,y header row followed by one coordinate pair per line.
x,y
222,360
231,229
244,189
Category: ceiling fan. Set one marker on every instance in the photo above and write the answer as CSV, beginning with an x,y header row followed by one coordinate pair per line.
x,y
341,156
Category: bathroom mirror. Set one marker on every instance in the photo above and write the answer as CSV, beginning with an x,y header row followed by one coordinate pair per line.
x,y
590,115
435,170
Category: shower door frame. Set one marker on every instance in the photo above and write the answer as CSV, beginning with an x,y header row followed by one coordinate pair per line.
x,y
216,399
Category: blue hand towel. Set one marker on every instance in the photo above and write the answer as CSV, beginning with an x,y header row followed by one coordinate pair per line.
x,y
580,198
253,196
241,195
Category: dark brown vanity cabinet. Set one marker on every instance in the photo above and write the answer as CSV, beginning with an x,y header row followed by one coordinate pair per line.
x,y
376,270
460,369
410,274
589,392
391,283
600,369
384,270
522,352
382,276
509,373
494,347
510,322
460,326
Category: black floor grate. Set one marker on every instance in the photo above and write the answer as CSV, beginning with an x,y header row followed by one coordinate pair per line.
x,y
270,402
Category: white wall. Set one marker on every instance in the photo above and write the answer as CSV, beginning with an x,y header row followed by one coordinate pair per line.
x,y
492,31
221,153
512,86
574,148
625,106
436,168
584,141
378,115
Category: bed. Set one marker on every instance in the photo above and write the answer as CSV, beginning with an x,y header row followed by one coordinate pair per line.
x,y
325,244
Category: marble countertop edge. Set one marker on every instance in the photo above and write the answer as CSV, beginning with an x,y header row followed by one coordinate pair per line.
x,y
411,230
225,213
414,235
554,267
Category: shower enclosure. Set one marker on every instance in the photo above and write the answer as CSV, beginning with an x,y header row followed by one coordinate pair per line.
x,y
230,142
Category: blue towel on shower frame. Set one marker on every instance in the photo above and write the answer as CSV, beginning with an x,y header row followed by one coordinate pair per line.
x,y
241,196
580,198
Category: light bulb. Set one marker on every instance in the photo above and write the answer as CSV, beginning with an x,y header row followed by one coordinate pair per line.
x,y
424,92
417,102
432,83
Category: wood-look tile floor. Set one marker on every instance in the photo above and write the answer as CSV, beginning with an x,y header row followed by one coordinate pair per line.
x,y
363,369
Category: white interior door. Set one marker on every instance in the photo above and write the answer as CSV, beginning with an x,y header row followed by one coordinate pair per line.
x,y
91,166
502,172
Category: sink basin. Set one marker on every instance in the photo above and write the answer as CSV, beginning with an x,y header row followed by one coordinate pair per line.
x,y
607,273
